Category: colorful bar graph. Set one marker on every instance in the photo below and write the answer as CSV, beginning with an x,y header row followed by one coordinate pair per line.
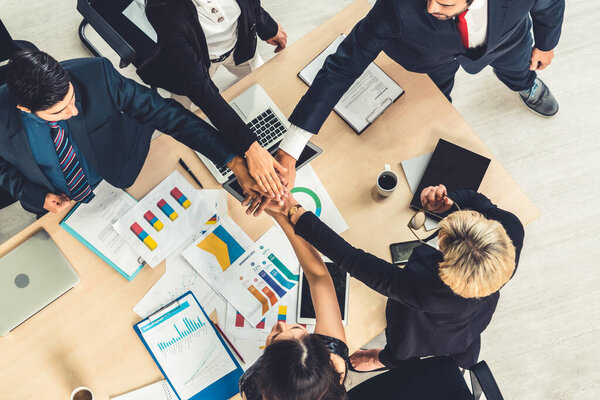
x,y
278,289
283,268
262,299
191,327
212,220
239,320
153,220
143,236
270,295
282,314
167,209
181,199
282,281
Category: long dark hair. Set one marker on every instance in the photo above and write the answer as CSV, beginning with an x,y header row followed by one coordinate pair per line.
x,y
299,370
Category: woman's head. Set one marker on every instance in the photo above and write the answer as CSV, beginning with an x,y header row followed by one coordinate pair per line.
x,y
479,257
297,365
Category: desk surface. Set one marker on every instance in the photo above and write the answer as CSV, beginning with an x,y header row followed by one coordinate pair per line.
x,y
86,337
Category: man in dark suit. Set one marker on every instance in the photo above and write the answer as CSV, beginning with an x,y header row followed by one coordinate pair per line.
x,y
436,37
65,127
195,37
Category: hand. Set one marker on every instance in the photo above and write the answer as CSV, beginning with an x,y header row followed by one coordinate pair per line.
x,y
279,40
56,203
248,184
435,199
540,59
264,168
289,163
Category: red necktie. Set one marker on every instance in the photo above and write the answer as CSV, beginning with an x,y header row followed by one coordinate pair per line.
x,y
461,24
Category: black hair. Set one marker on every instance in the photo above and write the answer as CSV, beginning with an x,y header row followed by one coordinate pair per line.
x,y
298,370
36,80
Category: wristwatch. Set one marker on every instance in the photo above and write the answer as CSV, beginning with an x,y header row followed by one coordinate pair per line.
x,y
293,210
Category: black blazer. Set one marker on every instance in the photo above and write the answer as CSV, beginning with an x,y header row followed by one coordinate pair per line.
x,y
421,43
113,130
182,62
424,316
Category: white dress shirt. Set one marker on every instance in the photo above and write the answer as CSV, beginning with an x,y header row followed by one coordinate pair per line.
x,y
219,21
477,18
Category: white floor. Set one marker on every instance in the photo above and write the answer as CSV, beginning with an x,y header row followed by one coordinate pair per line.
x,y
543,342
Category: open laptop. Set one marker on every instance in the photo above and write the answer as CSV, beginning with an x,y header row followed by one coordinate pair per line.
x,y
262,116
32,276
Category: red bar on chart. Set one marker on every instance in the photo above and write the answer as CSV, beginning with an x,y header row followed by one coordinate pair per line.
x,y
239,320
270,295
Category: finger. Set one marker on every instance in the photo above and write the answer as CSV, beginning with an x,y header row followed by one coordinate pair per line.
x,y
542,66
246,201
439,194
533,64
259,182
266,184
274,179
256,204
431,198
278,167
261,207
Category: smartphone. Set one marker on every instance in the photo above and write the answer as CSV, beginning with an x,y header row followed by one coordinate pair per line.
x,y
341,282
401,251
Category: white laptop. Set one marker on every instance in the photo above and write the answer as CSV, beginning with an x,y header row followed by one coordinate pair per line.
x,y
260,113
32,276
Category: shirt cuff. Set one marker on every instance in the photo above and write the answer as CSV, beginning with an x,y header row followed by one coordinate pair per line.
x,y
294,141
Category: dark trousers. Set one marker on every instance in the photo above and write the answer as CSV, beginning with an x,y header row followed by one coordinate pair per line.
x,y
466,359
512,68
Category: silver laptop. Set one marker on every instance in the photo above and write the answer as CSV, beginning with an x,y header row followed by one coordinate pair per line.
x,y
262,116
31,277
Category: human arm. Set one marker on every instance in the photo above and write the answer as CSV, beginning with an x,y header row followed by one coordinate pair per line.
x,y
366,40
547,17
322,290
20,188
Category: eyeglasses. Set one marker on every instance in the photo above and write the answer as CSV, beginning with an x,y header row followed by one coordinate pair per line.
x,y
418,221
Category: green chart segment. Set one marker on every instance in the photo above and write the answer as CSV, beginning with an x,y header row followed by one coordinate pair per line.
x,y
284,270
313,195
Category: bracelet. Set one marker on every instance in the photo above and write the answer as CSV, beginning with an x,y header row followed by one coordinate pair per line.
x,y
293,210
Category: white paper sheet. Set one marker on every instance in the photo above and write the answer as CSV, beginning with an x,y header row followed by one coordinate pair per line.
x,y
187,348
175,231
263,275
93,222
310,192
157,391
414,168
178,278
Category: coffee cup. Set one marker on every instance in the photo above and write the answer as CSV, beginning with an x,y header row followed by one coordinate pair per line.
x,y
387,181
82,393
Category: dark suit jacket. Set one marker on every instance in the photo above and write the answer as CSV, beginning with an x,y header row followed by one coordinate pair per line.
x,y
423,314
421,43
182,61
113,131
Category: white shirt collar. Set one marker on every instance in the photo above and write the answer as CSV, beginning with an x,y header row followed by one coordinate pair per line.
x,y
477,4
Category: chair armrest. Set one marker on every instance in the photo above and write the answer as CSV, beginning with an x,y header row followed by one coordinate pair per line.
x,y
483,381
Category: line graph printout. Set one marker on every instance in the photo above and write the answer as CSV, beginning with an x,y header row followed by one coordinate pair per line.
x,y
186,346
261,277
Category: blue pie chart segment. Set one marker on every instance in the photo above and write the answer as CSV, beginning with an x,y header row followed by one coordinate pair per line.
x,y
313,195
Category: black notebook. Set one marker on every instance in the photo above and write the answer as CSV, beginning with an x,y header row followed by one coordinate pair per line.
x,y
454,167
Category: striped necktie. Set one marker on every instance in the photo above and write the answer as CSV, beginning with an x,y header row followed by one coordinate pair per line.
x,y
77,183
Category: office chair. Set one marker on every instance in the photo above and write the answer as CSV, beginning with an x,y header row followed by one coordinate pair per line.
x,y
7,47
106,17
435,378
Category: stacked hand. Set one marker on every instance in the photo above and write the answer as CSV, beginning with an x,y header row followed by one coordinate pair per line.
x,y
55,203
265,169
435,199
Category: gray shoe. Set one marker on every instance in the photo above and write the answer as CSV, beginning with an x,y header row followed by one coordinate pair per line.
x,y
539,99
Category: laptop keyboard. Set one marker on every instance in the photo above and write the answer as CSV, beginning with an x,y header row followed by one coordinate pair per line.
x,y
267,127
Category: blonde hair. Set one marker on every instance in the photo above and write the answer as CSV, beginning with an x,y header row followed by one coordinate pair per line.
x,y
479,257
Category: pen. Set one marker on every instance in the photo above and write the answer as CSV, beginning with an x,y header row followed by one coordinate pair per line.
x,y
229,343
189,171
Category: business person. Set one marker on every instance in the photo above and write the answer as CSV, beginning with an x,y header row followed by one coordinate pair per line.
x,y
436,37
442,300
298,365
195,37
66,126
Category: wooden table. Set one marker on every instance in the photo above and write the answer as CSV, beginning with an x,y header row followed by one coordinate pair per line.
x,y
86,337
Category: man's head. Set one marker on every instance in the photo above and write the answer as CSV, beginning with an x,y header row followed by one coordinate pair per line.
x,y
40,85
479,257
447,9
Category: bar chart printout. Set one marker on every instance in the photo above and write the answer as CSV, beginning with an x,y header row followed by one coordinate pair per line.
x,y
186,347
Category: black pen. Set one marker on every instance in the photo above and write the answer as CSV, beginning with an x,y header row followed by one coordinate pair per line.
x,y
189,171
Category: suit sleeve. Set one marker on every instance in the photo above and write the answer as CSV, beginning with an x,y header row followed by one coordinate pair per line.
x,y
469,199
547,16
355,53
20,188
266,27
381,276
168,116
197,84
